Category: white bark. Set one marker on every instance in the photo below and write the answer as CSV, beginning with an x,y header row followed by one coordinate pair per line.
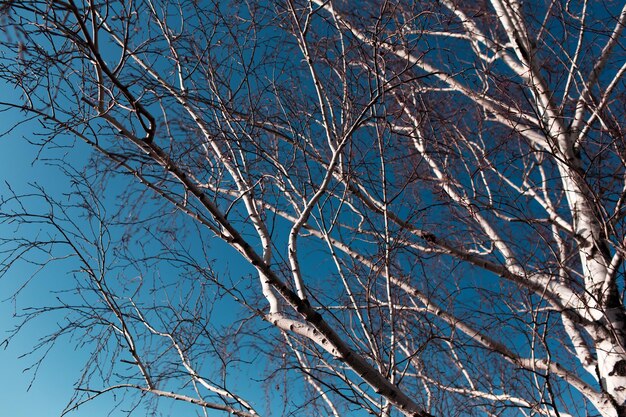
x,y
408,146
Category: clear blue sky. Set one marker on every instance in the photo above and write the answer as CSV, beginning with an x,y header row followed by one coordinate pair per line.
x,y
52,388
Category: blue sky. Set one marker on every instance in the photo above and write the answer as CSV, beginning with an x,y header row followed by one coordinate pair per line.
x,y
52,387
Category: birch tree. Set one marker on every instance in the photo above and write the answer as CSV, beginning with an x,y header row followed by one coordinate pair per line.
x,y
428,198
